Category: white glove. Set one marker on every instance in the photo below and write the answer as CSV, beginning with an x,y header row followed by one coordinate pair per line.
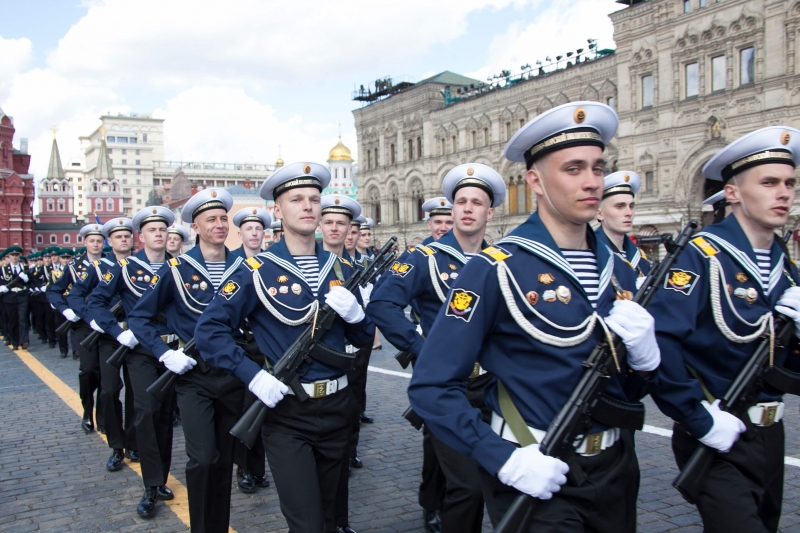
x,y
639,282
366,292
725,431
24,276
268,389
345,304
535,474
43,288
419,329
637,329
3,289
177,361
70,315
96,327
126,338
789,305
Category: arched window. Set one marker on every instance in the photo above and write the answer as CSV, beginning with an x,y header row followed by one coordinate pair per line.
x,y
375,204
51,205
109,205
392,154
395,200
98,204
419,147
519,196
417,199
61,204
95,186
66,238
39,239
79,239
53,238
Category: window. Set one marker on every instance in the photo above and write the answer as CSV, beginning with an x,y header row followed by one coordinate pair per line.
x,y
692,80
747,70
139,182
124,170
508,131
133,140
144,137
474,139
443,150
124,161
138,171
138,161
39,239
126,192
419,147
79,239
51,205
612,102
53,239
686,6
110,151
110,139
486,136
98,204
124,152
61,204
80,187
521,122
392,154
649,181
124,181
455,143
702,3
80,204
138,152
66,238
718,73
647,91
377,161
122,139
109,205
139,201
519,195
369,159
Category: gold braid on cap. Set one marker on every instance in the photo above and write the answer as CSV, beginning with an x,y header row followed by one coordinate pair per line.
x,y
337,210
213,204
767,156
565,137
307,181
153,218
440,211
251,218
617,189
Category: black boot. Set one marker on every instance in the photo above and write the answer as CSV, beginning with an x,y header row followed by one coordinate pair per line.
x,y
433,522
87,425
261,481
147,505
245,481
164,493
115,461
132,455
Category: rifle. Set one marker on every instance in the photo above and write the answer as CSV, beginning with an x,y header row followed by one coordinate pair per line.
x,y
575,418
742,393
248,428
405,358
161,386
116,358
89,343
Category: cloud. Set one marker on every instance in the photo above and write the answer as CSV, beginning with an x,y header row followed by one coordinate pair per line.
x,y
558,28
16,54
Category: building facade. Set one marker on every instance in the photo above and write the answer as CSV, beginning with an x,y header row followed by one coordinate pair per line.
x,y
686,78
16,189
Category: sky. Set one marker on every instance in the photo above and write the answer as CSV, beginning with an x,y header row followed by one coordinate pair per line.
x,y
237,79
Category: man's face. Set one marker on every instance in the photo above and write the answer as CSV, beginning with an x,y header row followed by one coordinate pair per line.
x,y
364,238
299,210
154,236
94,244
471,210
46,260
14,258
212,226
121,241
63,260
276,236
616,213
763,194
252,235
570,182
353,234
439,225
174,243
335,228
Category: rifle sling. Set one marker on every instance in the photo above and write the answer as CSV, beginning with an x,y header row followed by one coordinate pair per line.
x,y
512,417
335,358
709,397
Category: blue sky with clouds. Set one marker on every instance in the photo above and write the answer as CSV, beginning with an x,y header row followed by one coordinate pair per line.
x,y
236,79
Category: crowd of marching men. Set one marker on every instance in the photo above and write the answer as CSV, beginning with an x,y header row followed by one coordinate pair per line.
x,y
530,356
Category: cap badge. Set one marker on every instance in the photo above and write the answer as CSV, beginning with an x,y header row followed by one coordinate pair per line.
x,y
441,203
579,115
337,201
155,211
627,178
307,169
121,222
255,211
470,171
785,138
97,227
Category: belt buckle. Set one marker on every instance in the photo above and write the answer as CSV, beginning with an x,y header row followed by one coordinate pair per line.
x,y
594,443
476,371
768,415
320,389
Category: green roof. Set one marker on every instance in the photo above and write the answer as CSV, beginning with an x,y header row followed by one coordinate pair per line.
x,y
449,78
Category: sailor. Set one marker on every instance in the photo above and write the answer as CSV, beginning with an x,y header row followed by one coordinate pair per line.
x,y
15,299
616,219
719,205
53,318
210,400
279,292
63,278
440,218
86,281
424,275
712,312
364,244
252,222
530,310
128,280
251,463
350,243
338,213
277,231
177,237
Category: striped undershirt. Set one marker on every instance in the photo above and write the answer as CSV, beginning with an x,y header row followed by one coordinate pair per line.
x,y
216,270
584,264
310,268
156,266
764,262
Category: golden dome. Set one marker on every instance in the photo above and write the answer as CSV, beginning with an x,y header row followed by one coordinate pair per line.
x,y
340,152
279,162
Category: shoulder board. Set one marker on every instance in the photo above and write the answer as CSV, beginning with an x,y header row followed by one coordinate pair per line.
x,y
252,263
123,262
644,255
345,261
412,249
496,253
174,262
426,250
707,248
96,263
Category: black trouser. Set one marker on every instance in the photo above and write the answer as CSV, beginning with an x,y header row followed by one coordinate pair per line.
x,y
3,317
153,419
357,380
252,461
16,307
605,503
88,372
432,487
306,447
742,490
23,317
121,433
37,310
55,320
211,404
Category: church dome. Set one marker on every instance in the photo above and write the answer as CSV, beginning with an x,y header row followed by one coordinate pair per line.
x,y
279,162
340,152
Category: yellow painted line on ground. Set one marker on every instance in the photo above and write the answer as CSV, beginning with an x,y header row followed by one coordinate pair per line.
x,y
179,505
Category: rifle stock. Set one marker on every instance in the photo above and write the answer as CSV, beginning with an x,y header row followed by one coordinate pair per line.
x,y
166,381
248,428
575,417
404,358
89,343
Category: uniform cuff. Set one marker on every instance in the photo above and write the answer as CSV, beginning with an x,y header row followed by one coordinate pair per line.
x,y
492,452
700,423
247,370
115,330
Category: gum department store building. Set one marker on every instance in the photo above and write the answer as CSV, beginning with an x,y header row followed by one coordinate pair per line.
x,y
686,78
